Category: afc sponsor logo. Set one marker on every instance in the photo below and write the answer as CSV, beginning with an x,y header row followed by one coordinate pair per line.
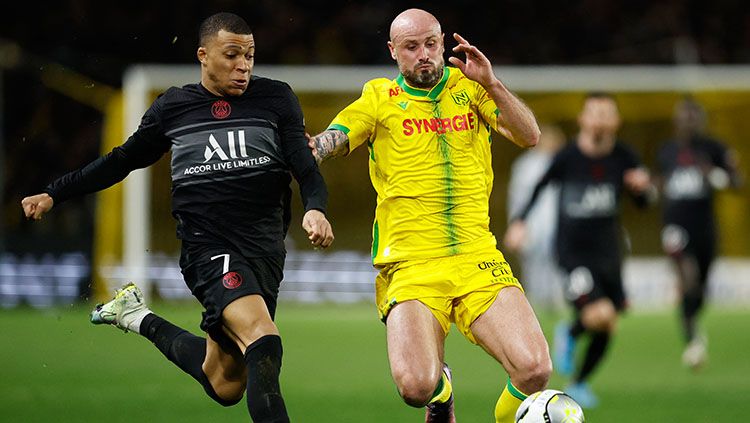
x,y
464,122
221,109
393,92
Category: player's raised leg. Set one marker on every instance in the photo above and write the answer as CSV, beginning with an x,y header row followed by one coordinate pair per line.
x,y
128,311
415,351
509,331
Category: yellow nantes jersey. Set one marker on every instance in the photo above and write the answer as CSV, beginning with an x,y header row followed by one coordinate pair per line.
x,y
430,165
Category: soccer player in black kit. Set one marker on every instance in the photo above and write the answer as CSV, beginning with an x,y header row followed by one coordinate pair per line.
x,y
691,167
592,171
236,140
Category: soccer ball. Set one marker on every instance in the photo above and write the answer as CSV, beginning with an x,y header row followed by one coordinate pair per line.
x,y
549,406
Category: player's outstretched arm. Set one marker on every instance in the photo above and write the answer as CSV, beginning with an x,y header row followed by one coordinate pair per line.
x,y
515,120
318,229
329,143
35,206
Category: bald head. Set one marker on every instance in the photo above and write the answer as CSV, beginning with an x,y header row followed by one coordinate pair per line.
x,y
413,21
416,45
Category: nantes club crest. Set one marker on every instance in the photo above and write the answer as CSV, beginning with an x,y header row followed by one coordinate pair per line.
x,y
461,97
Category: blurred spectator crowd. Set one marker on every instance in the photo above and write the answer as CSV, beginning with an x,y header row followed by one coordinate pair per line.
x,y
101,38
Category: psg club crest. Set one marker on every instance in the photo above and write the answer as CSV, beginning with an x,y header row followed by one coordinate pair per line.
x,y
231,280
221,109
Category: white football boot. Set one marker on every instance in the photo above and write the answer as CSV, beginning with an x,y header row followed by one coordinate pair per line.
x,y
126,310
695,355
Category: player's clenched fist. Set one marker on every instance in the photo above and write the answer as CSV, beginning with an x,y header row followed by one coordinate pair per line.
x,y
36,205
318,228
637,180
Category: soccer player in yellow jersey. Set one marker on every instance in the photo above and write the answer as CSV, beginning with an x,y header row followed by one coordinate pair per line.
x,y
428,135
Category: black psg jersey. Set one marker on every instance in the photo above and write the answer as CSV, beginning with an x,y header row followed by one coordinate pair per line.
x,y
232,163
589,202
687,194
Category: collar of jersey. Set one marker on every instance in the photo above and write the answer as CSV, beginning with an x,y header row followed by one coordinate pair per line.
x,y
432,93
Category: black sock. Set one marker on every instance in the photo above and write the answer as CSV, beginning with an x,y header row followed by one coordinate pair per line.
x,y
182,348
594,354
576,329
692,302
264,401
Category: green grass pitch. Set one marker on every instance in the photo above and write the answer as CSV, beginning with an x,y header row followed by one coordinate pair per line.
x,y
58,367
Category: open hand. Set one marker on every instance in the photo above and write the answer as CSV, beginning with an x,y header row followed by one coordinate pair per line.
x,y
637,180
476,67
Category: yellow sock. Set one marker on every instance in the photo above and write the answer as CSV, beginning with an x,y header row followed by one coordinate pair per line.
x,y
507,404
443,391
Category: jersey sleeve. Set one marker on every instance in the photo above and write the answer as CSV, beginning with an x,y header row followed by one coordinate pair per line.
x,y
630,158
143,148
662,159
553,174
299,157
357,120
486,107
720,155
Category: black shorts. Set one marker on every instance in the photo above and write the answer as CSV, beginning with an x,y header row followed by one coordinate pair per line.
x,y
218,275
589,281
699,243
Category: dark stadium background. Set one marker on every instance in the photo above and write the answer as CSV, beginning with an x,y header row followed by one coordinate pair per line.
x,y
48,129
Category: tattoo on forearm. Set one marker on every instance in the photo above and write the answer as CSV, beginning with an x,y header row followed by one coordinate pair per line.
x,y
331,143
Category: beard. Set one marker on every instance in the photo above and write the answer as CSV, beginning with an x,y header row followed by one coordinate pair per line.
x,y
423,79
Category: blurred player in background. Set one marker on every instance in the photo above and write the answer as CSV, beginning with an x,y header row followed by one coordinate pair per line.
x,y
428,135
692,166
235,140
592,172
541,276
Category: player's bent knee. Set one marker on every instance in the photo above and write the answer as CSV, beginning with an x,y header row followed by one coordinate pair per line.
x,y
534,376
597,325
228,393
600,318
415,390
416,397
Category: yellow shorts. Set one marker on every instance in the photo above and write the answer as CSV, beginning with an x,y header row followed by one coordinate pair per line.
x,y
457,289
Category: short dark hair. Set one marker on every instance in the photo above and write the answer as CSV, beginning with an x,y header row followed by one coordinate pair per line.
x,y
227,21
599,94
